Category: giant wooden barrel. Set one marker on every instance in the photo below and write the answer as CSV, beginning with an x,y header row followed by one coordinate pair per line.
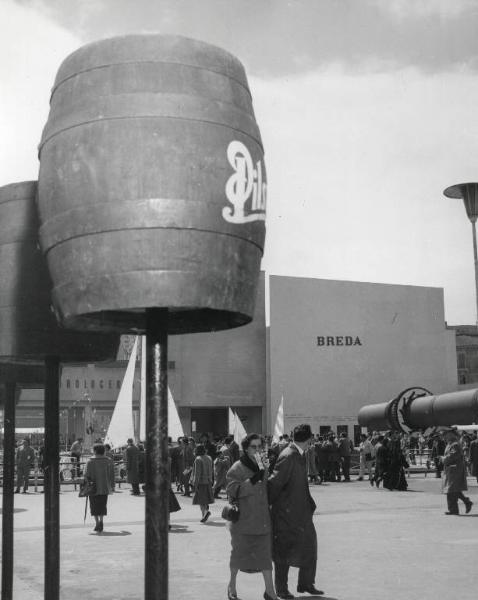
x,y
28,328
152,186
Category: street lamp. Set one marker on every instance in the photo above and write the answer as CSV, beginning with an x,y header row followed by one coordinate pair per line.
x,y
468,192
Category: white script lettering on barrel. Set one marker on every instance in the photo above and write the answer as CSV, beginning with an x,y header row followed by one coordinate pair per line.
x,y
244,183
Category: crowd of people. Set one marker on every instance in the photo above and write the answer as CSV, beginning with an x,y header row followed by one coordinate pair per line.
x,y
268,481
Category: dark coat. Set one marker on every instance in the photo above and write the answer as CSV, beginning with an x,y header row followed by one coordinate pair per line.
x,y
131,460
294,536
473,456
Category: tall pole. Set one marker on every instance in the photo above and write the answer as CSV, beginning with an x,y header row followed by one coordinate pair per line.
x,y
8,483
52,479
157,468
475,255
468,192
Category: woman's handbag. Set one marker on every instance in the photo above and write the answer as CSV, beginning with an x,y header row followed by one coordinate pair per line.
x,y
231,513
87,488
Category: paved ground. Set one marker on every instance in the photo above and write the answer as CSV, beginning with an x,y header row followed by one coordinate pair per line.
x,y
373,544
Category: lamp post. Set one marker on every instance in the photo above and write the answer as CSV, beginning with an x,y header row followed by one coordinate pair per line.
x,y
468,192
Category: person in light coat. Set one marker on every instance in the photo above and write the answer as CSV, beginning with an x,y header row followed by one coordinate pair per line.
x,y
100,469
454,483
367,453
251,535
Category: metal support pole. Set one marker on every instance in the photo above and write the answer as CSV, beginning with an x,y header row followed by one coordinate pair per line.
x,y
475,256
157,468
8,484
52,479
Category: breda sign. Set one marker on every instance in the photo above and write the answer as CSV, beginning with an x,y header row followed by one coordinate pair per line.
x,y
244,185
338,340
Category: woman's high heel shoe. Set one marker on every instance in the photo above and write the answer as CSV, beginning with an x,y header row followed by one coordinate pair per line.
x,y
230,595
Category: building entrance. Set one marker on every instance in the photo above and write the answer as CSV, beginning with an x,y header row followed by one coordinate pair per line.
x,y
209,420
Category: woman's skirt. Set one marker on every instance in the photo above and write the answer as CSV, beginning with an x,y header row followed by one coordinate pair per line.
x,y
98,505
173,502
203,494
251,553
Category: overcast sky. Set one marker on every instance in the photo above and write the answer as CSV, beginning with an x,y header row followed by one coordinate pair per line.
x,y
367,109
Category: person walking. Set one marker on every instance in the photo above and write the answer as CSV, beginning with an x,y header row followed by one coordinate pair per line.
x,y
24,461
366,453
382,460
76,450
437,452
187,455
201,481
473,456
222,464
251,550
294,540
131,461
345,451
333,457
100,470
454,483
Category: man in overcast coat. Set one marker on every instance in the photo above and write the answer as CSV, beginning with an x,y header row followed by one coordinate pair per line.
x,y
294,538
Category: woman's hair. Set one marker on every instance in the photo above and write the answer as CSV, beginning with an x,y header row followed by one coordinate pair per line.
x,y
99,449
245,443
200,450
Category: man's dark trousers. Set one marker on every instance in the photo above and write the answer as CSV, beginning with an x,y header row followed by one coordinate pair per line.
x,y
306,571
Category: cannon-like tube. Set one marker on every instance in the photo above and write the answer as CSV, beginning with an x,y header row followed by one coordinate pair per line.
x,y
416,408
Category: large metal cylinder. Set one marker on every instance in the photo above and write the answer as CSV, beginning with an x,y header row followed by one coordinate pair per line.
x,y
152,186
28,329
414,409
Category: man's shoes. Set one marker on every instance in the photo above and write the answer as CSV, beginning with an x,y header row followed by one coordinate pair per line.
x,y
448,512
17,491
285,595
311,589
468,505
359,478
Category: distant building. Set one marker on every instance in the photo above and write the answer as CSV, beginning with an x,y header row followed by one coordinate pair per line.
x,y
467,353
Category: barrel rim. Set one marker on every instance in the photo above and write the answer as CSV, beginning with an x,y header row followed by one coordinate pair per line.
x,y
104,41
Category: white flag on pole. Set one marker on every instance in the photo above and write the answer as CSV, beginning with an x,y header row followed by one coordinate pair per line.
x,y
239,429
121,424
279,424
231,420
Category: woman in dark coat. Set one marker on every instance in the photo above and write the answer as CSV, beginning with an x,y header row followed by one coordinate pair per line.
x,y
201,481
251,534
100,469
395,478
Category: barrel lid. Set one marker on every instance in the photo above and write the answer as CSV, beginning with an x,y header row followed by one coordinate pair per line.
x,y
151,48
18,191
